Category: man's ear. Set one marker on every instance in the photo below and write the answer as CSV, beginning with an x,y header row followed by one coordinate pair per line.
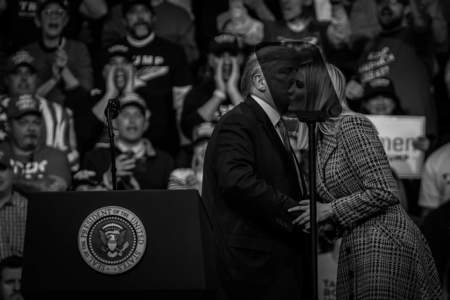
x,y
259,82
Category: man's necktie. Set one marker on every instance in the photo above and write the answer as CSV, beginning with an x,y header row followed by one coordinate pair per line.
x,y
281,127
284,135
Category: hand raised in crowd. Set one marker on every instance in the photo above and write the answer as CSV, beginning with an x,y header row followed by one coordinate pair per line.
x,y
324,211
218,76
125,165
233,80
354,90
119,78
60,62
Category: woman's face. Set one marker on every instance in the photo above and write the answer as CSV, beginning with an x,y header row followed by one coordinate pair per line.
x,y
380,105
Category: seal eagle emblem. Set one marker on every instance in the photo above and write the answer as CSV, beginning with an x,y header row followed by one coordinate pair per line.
x,y
112,240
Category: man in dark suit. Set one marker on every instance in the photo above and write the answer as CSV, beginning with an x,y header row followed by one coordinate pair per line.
x,y
251,179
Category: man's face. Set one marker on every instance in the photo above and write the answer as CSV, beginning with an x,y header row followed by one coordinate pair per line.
x,y
139,21
280,77
390,13
53,19
291,8
380,105
26,131
10,281
22,81
131,124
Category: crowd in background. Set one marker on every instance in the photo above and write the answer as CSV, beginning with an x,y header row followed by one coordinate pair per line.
x,y
175,67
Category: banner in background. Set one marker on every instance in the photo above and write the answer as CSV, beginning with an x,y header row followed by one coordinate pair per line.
x,y
397,134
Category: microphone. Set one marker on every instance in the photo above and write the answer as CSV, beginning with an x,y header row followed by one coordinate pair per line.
x,y
113,108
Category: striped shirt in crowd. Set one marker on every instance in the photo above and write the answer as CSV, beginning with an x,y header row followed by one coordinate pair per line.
x,y
13,215
58,131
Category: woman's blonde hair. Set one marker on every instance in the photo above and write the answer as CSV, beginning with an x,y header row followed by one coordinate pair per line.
x,y
321,90
338,81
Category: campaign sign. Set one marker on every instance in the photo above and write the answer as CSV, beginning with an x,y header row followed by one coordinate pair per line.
x,y
397,134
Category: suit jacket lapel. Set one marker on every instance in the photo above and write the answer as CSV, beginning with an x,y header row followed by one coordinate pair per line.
x,y
264,120
266,124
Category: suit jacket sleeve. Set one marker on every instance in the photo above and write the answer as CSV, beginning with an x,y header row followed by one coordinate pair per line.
x,y
237,177
367,160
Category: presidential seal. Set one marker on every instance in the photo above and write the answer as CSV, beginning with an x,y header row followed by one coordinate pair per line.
x,y
112,240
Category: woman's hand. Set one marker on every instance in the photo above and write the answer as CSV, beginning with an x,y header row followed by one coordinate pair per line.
x,y
324,211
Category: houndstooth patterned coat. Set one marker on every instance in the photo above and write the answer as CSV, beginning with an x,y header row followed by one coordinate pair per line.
x,y
383,254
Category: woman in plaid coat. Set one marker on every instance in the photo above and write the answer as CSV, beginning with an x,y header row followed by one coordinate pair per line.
x,y
383,254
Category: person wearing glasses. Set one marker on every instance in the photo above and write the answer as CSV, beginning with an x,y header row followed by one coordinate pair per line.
x,y
56,56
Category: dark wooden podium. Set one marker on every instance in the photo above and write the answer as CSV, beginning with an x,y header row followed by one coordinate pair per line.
x,y
177,263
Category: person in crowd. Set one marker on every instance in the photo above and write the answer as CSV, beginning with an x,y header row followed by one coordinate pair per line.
x,y
58,130
139,165
13,212
36,166
299,21
19,24
403,53
192,178
237,21
11,278
89,106
171,22
162,75
359,196
435,182
436,228
57,56
219,91
380,98
250,180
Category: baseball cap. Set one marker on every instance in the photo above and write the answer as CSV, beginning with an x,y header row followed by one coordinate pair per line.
x,y
20,58
380,86
224,42
135,100
22,105
43,5
117,49
127,5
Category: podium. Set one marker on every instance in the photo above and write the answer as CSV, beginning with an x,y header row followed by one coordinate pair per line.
x,y
176,263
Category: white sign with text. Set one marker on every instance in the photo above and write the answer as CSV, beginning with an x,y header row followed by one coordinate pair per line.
x,y
397,134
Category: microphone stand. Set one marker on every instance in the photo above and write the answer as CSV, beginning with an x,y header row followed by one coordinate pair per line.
x,y
311,118
112,110
312,155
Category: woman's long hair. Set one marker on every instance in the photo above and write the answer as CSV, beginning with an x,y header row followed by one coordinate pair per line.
x,y
320,91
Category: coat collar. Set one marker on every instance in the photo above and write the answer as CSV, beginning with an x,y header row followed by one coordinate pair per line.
x,y
326,146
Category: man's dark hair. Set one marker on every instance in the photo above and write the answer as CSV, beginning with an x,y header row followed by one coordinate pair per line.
x,y
11,262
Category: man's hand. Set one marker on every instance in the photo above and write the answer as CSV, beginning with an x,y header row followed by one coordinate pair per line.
x,y
233,81
218,76
125,165
324,211
354,90
60,63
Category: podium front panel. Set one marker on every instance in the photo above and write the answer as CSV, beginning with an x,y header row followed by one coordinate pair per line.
x,y
177,255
